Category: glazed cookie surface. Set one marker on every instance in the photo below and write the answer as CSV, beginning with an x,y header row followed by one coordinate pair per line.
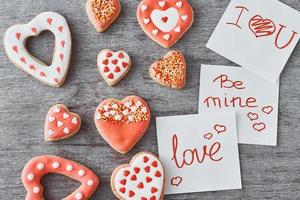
x,y
143,178
122,123
165,21
15,39
39,166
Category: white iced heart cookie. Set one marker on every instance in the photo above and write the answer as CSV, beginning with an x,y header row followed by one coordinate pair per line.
x,y
165,20
113,66
15,39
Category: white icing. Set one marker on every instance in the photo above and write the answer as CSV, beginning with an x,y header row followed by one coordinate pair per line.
x,y
106,114
31,65
66,130
179,4
50,132
40,166
138,103
115,106
30,177
130,118
56,110
106,107
172,19
66,116
69,168
36,190
184,17
127,104
90,182
177,29
60,123
112,112
55,165
144,7
81,172
146,21
161,3
74,120
154,32
51,119
78,196
156,182
166,37
144,109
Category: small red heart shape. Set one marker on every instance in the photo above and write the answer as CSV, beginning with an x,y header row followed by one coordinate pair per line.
x,y
220,128
261,27
259,126
164,19
252,116
175,181
267,109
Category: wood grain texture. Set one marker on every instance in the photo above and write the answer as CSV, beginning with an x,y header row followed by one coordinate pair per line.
x,y
267,172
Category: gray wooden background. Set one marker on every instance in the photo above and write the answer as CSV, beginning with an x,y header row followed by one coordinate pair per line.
x,y
267,172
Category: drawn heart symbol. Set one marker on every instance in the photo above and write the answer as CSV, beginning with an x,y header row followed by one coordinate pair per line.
x,y
122,123
102,13
259,126
15,39
267,109
220,128
165,21
170,71
252,116
113,66
60,123
142,179
176,180
261,27
208,136
39,166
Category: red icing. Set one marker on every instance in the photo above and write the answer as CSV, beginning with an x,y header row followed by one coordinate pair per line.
x,y
126,173
110,76
34,30
106,69
61,56
109,54
105,62
153,189
114,61
133,177
140,185
60,28
62,43
148,179
49,20
131,193
146,159
157,174
18,35
42,74
147,169
15,48
154,164
121,55
123,182
117,69
136,170
122,190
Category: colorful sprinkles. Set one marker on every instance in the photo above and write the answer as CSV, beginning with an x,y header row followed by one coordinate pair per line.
x,y
103,9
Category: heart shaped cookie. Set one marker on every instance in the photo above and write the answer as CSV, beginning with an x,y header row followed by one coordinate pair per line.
x,y
113,66
122,123
102,13
170,71
60,123
15,39
165,21
143,178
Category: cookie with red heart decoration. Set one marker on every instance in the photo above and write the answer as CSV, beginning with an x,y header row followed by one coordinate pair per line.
x,y
102,13
165,21
122,123
60,123
40,166
15,39
113,66
170,71
143,178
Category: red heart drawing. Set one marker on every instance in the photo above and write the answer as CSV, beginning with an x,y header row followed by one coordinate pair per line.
x,y
60,123
259,126
261,27
142,179
267,109
208,136
252,116
122,123
220,128
165,21
176,180
170,71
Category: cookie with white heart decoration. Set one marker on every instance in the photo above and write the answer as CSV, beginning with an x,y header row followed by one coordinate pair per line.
x,y
143,178
113,66
165,21
15,39
60,123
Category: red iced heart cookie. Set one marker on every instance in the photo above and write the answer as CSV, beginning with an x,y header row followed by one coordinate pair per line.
x,y
165,21
102,13
39,166
113,66
60,123
170,71
15,40
261,27
143,178
122,123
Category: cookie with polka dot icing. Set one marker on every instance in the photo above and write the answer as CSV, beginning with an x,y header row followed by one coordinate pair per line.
x,y
39,166
170,71
102,13
122,123
113,66
165,21
15,39
143,178
60,123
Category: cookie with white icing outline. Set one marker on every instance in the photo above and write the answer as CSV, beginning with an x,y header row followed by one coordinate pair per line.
x,y
14,42
102,13
113,66
143,178
60,123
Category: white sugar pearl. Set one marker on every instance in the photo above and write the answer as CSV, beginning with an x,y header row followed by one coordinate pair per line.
x,y
36,190
50,132
78,196
56,110
81,172
55,165
30,177
75,121
60,123
69,168
90,182
66,130
51,119
66,115
40,166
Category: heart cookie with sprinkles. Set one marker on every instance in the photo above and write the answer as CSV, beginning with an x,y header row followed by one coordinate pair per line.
x,y
15,39
113,66
122,123
40,166
143,178
170,71
102,13
60,123
165,21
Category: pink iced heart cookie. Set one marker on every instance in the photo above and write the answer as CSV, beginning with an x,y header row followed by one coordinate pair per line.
x,y
142,179
102,13
60,123
113,66
15,39
165,21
